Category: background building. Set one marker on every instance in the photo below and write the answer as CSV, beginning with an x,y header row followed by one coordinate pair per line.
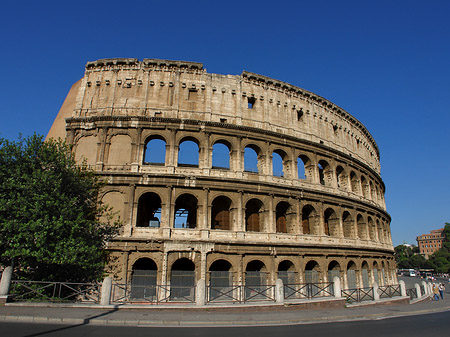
x,y
430,243
209,214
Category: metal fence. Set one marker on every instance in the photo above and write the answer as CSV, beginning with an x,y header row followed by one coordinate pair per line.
x,y
422,289
240,293
358,294
412,293
55,291
126,293
308,290
390,291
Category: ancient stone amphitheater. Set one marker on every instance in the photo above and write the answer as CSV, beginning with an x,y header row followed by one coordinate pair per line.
x,y
238,180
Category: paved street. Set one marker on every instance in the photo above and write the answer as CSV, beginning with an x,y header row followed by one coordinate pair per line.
x,y
436,324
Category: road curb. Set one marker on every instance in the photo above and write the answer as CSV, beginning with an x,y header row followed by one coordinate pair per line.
x,y
201,323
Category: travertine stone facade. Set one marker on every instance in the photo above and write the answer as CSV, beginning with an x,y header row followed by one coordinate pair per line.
x,y
325,212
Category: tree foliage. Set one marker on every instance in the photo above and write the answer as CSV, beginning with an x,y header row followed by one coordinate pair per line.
x,y
408,257
52,225
440,260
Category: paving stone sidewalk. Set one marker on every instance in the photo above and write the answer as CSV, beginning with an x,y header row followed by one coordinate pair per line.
x,y
146,315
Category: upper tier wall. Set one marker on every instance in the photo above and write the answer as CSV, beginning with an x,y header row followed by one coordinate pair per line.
x,y
185,90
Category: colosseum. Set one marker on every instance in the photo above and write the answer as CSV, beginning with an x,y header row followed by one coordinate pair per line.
x,y
236,180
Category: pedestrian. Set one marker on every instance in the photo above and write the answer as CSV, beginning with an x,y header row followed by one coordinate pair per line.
x,y
435,292
441,290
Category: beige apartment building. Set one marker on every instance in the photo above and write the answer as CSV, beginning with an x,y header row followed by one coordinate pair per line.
x,y
430,243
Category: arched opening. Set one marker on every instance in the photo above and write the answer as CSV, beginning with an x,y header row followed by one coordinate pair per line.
x,y
308,219
155,151
354,182
188,153
312,272
341,183
253,216
372,229
149,210
278,161
362,228
303,163
286,272
331,222
312,278
182,280
364,187
380,232
347,222
334,270
221,155
185,211
376,277
372,192
351,275
251,163
255,280
143,279
284,218
220,281
220,213
365,275
324,169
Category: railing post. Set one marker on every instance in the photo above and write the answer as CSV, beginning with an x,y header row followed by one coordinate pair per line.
x,y
200,294
279,291
419,293
5,284
429,289
105,298
376,294
425,288
6,281
402,288
337,287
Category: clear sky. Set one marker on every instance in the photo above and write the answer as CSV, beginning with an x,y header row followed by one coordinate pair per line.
x,y
385,62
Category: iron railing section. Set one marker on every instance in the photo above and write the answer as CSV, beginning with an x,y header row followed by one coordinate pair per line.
x,y
308,290
412,293
422,290
126,293
55,291
358,294
224,294
254,293
390,291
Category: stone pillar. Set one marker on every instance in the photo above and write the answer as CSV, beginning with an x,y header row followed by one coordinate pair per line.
x,y
200,294
425,288
5,283
402,287
241,213
105,298
321,230
376,294
419,292
271,224
337,287
279,291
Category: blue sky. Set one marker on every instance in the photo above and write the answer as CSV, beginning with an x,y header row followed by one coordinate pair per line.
x,y
385,62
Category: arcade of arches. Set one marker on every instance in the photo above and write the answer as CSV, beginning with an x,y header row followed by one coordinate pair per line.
x,y
236,179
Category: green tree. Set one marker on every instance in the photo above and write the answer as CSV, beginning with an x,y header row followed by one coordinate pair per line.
x,y
440,260
408,257
52,225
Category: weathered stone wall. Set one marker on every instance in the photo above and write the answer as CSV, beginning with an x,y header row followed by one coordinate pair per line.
x,y
333,215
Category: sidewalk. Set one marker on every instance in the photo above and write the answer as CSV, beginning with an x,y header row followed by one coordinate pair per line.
x,y
145,315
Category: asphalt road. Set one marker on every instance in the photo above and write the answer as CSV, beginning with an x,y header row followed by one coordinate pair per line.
x,y
436,324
